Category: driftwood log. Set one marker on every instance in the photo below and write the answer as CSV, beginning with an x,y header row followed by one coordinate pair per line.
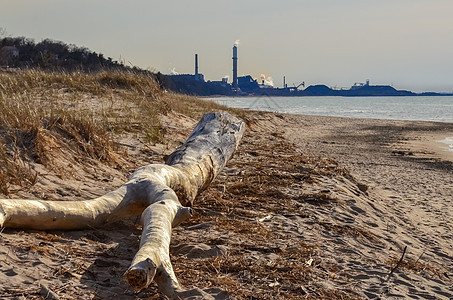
x,y
161,193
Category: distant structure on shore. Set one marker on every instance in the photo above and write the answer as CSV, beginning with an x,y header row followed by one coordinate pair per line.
x,y
235,68
197,76
248,86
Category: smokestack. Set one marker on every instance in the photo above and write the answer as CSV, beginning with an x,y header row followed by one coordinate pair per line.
x,y
284,82
235,66
196,64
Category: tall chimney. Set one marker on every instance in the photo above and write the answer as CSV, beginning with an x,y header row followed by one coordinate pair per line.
x,y
235,67
196,64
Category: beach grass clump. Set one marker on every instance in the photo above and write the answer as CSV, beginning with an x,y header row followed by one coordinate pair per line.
x,y
46,118
34,134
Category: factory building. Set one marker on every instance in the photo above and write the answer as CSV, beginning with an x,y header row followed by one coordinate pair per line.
x,y
247,84
197,76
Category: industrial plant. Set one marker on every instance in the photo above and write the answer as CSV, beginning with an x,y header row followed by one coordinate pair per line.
x,y
241,85
195,84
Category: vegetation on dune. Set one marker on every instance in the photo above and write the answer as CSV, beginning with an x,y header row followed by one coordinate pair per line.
x,y
45,113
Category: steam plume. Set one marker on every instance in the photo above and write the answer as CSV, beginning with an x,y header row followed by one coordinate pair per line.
x,y
266,80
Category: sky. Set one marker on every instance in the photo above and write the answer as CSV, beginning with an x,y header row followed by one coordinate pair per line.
x,y
404,43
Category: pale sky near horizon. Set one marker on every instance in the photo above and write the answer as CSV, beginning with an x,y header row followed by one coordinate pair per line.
x,y
405,43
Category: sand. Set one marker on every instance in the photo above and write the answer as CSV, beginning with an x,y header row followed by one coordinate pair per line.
x,y
309,207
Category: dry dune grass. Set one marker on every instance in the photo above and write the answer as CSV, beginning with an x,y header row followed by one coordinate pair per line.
x,y
44,116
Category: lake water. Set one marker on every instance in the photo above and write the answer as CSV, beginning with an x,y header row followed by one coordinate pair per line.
x,y
420,108
439,109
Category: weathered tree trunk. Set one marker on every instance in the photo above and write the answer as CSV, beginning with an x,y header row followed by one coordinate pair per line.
x,y
157,192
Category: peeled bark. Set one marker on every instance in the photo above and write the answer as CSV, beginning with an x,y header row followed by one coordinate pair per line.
x,y
157,192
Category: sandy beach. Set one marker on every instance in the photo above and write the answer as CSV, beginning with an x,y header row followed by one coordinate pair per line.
x,y
308,208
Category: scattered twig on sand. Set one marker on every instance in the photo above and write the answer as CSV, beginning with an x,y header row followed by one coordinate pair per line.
x,y
420,256
397,265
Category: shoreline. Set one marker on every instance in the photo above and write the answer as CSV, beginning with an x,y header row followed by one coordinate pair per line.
x,y
433,146
446,145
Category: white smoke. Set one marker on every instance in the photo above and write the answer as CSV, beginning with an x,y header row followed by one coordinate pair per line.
x,y
173,72
266,80
269,81
236,43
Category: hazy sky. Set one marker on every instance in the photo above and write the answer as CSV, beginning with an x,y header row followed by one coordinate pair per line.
x,y
406,43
